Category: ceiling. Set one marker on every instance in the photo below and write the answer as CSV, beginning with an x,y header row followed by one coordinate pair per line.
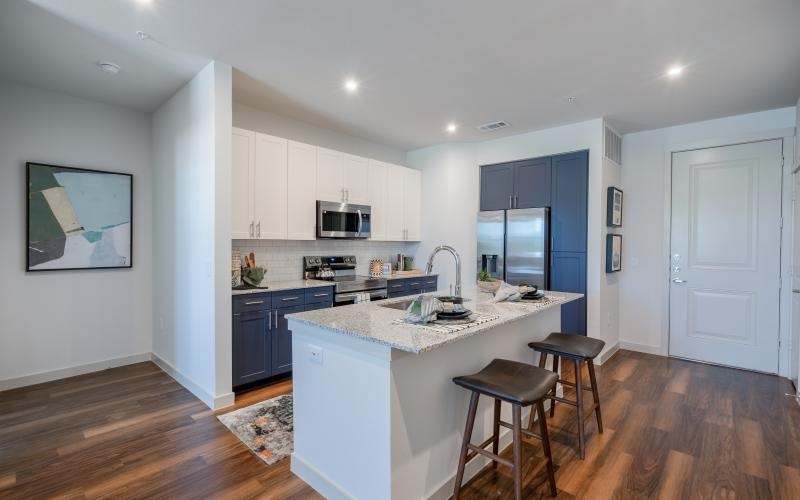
x,y
422,64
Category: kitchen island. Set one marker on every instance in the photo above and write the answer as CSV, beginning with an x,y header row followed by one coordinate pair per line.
x,y
376,414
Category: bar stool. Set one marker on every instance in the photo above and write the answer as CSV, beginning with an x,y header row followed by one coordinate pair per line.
x,y
579,349
521,385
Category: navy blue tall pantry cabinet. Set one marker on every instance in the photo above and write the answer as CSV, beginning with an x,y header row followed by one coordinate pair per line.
x,y
561,183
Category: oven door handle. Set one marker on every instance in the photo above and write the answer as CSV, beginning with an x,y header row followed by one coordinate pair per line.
x,y
359,223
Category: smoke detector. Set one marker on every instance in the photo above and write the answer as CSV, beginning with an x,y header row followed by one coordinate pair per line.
x,y
108,67
488,127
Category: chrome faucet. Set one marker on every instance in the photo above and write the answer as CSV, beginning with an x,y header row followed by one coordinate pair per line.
x,y
452,250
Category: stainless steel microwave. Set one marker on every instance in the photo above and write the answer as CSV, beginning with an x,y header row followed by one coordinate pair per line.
x,y
343,220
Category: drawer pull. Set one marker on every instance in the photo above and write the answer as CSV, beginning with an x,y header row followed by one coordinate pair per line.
x,y
254,302
287,299
412,284
321,295
396,286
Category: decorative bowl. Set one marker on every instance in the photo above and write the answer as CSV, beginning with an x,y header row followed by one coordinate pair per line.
x,y
490,286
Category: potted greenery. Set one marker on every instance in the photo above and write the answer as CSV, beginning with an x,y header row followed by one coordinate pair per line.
x,y
486,282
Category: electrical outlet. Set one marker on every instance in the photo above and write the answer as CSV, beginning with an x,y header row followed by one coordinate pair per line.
x,y
316,354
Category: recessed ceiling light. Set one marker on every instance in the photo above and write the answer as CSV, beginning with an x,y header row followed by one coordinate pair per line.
x,y
674,71
108,67
452,127
144,2
351,85
571,99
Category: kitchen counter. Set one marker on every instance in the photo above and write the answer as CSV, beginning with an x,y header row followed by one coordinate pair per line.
x,y
408,276
375,322
382,393
277,286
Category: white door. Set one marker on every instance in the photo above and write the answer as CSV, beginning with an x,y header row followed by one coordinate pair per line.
x,y
330,184
302,206
725,255
393,203
412,191
269,187
354,179
243,145
376,198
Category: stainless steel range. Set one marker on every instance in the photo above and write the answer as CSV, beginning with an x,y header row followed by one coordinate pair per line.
x,y
341,270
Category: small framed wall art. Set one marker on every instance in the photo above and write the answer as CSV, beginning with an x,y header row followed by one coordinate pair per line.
x,y
78,218
613,253
614,207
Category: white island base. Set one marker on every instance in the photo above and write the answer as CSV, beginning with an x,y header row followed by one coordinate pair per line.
x,y
373,421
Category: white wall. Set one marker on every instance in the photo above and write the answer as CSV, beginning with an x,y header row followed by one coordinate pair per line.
x,y
450,204
191,150
68,322
645,180
250,118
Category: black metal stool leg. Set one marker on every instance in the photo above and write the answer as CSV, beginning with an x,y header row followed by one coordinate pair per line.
x,y
462,458
496,431
579,397
553,401
517,428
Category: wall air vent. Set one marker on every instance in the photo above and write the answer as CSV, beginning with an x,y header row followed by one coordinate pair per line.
x,y
488,127
612,146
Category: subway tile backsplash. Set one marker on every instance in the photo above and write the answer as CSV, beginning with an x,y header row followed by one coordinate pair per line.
x,y
284,259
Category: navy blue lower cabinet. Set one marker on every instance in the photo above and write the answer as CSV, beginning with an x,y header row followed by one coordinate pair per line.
x,y
568,274
282,340
252,352
396,288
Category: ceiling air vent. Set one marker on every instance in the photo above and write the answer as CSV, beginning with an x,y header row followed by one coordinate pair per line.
x,y
612,146
488,127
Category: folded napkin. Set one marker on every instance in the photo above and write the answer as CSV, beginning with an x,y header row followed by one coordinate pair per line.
x,y
423,309
507,293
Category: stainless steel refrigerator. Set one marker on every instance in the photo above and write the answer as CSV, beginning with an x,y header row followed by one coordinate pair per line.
x,y
514,245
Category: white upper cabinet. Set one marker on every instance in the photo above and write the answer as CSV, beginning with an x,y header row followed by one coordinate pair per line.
x,y
244,147
393,203
355,179
376,198
330,179
302,189
269,184
412,201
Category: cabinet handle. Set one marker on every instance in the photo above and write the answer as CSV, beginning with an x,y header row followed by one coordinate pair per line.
x,y
320,295
252,230
516,201
510,199
342,195
396,286
287,299
259,228
347,195
412,284
254,302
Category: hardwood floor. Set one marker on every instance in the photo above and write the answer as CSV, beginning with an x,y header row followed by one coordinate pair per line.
x,y
673,429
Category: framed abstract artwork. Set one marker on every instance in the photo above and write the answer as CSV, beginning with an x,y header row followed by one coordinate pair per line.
x,y
614,207
613,253
78,218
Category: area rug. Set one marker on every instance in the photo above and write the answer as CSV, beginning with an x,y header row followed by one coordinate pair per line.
x,y
266,428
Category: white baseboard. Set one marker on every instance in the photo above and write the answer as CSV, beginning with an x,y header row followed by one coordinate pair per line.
x,y
49,376
317,480
645,348
212,402
607,353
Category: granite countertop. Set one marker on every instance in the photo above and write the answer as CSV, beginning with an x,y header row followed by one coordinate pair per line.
x,y
391,277
374,322
277,286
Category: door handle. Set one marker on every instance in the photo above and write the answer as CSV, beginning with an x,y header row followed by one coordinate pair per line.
x,y
252,228
259,228
510,199
678,280
795,290
360,222
516,201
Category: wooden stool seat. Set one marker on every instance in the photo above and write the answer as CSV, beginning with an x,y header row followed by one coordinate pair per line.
x,y
521,385
579,349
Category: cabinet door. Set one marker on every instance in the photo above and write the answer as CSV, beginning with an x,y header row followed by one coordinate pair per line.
x,y
251,346
270,187
330,183
376,199
412,201
282,340
301,205
354,176
568,274
393,203
497,186
570,184
532,183
243,145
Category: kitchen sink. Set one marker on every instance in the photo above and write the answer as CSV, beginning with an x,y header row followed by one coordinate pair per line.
x,y
400,306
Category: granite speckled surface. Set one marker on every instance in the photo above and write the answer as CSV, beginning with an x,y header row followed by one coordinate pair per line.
x,y
277,286
391,277
373,321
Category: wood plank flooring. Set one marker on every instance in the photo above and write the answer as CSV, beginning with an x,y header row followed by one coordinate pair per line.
x,y
674,429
